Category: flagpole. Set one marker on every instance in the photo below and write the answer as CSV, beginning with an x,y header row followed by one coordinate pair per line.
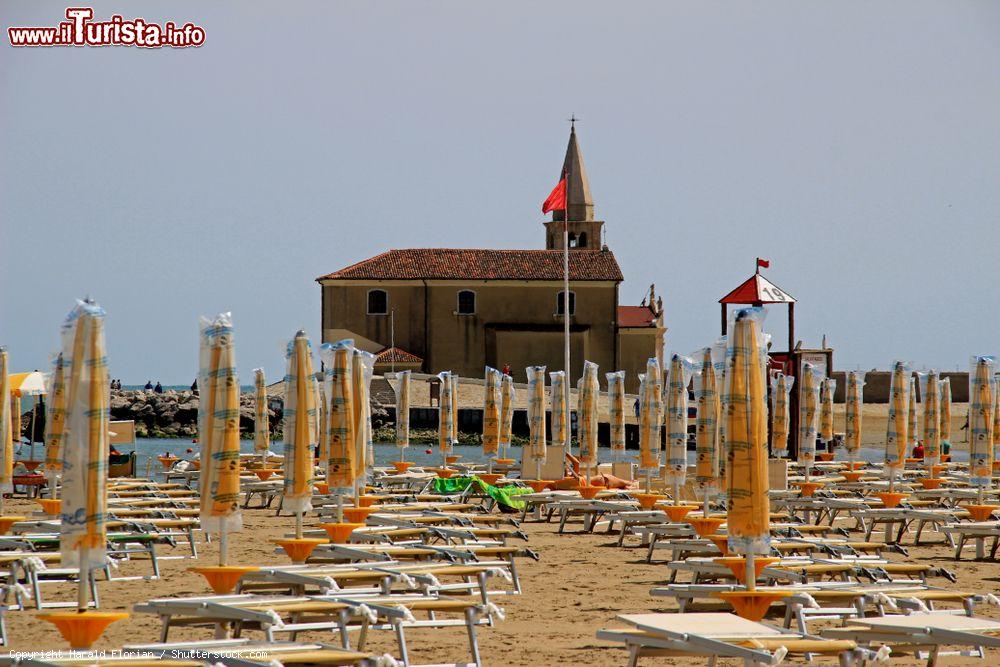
x,y
566,384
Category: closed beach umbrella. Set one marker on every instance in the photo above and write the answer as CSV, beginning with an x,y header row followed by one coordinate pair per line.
x,y
931,393
707,450
82,532
402,412
17,423
491,414
945,406
337,358
649,421
808,416
781,387
301,421
55,423
219,431
748,516
362,370
445,415
590,389
853,402
6,432
536,416
322,429
616,412
913,427
996,416
455,384
560,413
506,413
897,429
262,423
981,406
829,386
678,377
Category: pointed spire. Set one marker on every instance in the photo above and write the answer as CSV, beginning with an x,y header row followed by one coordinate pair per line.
x,y
580,204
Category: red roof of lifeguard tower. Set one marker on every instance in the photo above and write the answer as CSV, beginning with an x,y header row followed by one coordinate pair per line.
x,y
757,289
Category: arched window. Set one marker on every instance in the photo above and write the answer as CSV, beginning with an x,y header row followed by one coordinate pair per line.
x,y
378,302
581,240
559,303
466,302
571,237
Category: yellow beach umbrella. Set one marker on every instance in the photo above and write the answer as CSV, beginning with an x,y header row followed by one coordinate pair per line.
x,y
262,423
455,384
340,467
981,406
55,423
931,392
996,415
362,370
402,412
678,377
17,422
506,413
6,432
560,413
707,450
219,431
300,425
650,411
913,427
809,384
616,412
587,395
491,414
445,416
945,406
781,388
536,416
828,387
322,429
748,516
853,402
897,429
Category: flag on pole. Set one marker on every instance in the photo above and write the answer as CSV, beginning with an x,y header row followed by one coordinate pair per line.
x,y
556,200
763,263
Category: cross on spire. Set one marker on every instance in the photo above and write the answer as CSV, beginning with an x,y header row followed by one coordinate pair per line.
x,y
572,121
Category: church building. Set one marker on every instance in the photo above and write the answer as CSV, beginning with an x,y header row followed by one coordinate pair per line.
x,y
460,309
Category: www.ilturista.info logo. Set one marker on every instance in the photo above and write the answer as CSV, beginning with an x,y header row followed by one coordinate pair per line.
x,y
80,30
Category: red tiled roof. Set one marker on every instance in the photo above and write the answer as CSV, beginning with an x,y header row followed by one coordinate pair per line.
x,y
396,355
757,289
477,264
635,316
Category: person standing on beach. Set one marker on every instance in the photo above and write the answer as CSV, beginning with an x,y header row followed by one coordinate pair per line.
x,y
158,388
149,385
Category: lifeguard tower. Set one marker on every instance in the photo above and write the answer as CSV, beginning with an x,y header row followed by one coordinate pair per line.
x,y
759,291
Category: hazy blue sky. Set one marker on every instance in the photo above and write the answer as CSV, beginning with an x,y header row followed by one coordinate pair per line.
x,y
855,144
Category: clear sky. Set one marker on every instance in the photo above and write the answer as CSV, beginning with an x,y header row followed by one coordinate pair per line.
x,y
854,144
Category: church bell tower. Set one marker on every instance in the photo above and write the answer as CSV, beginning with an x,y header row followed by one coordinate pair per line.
x,y
584,231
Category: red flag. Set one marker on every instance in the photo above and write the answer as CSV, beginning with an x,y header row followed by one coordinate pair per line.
x,y
763,263
557,198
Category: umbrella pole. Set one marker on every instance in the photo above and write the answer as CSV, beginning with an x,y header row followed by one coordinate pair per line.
x,y
677,492
223,547
31,436
340,508
708,495
538,469
751,574
298,526
82,592
649,481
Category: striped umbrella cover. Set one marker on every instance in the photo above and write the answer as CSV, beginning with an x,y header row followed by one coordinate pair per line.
x,y
17,423
301,422
589,391
362,370
706,396
913,427
6,429
781,413
945,406
536,411
82,535
403,409
828,387
748,511
261,421
322,428
55,420
981,405
931,391
616,412
560,435
340,419
506,410
491,413
650,410
445,416
996,417
455,384
678,377
853,402
219,427
808,413
897,429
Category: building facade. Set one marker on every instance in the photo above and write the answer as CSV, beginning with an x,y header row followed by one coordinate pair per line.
x,y
435,309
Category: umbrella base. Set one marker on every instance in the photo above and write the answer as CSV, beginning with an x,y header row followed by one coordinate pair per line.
x,y
676,513
264,474
340,533
81,629
366,500
706,526
852,476
738,565
452,458
932,482
444,473
752,605
7,521
891,500
51,506
222,578
491,478
825,456
401,466
538,485
322,488
357,514
589,492
807,489
299,549
504,462
982,512
647,501
31,465
722,542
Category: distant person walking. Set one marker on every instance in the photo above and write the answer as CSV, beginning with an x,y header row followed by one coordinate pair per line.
x,y
635,407
506,368
194,386
158,388
149,385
